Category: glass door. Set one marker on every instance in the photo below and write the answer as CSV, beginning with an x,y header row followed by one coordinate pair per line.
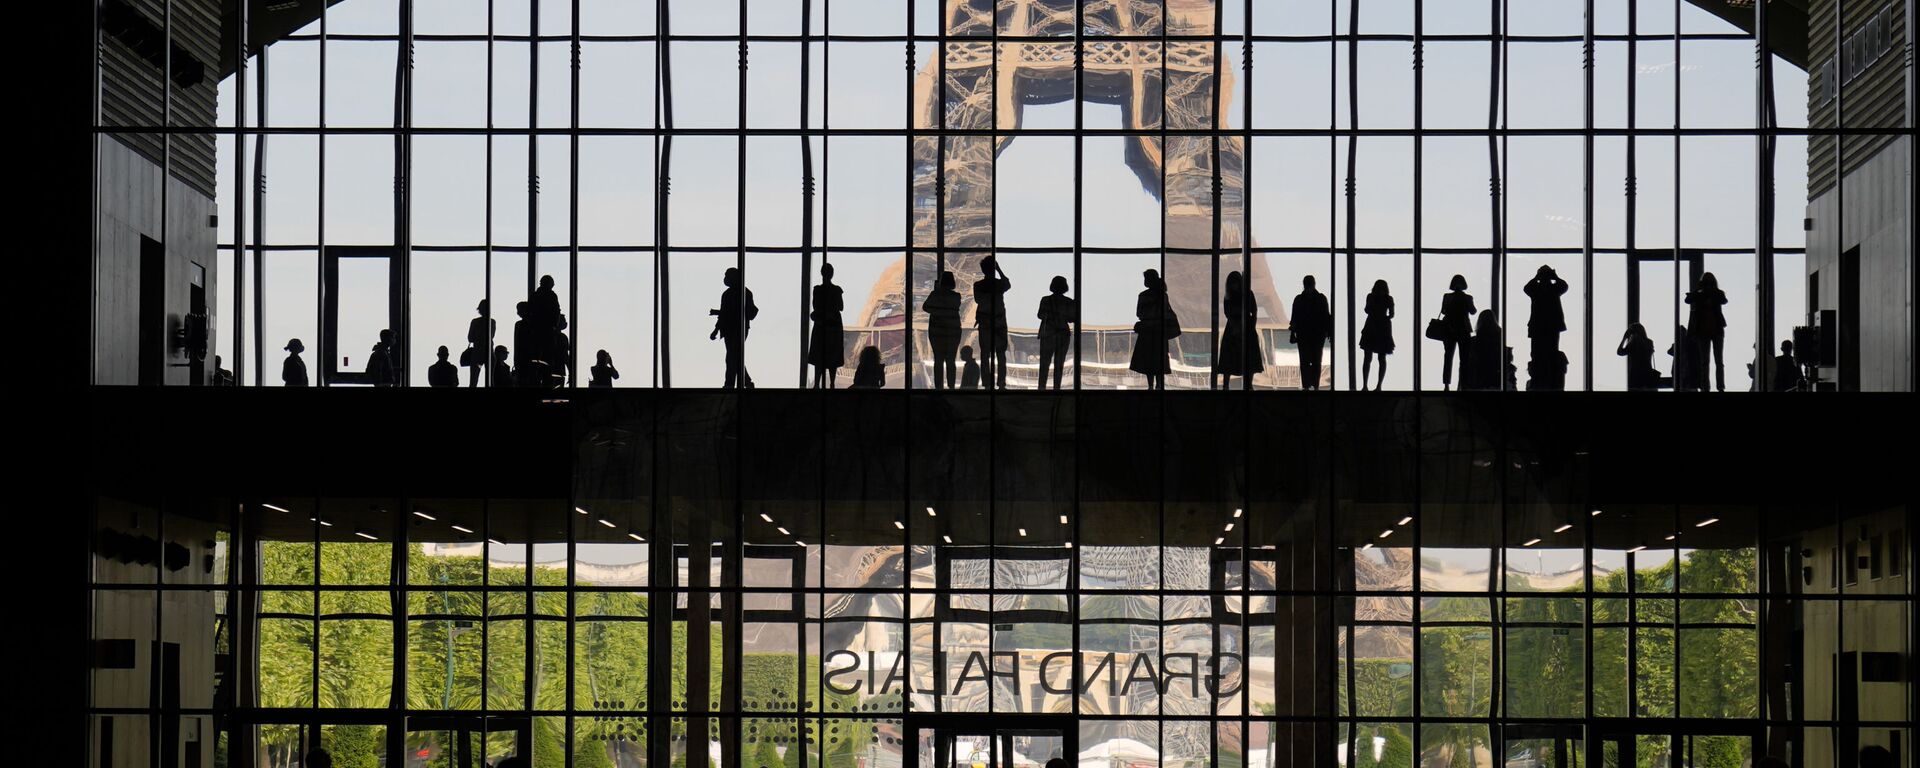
x,y
999,741
1543,746
361,301
1660,744
464,742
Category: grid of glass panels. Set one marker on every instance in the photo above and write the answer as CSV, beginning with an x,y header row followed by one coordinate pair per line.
x,y
1179,589
634,151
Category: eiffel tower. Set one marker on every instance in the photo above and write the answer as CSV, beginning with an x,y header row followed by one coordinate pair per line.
x,y
1158,85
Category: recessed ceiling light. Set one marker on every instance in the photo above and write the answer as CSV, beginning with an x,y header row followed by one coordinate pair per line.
x,y
1706,522
1636,549
799,543
947,539
1069,545
783,531
495,542
1023,531
274,507
1236,513
1671,537
460,528
899,525
606,522
1386,533
1368,546
763,516
931,513
580,510
1063,519
1595,513
1229,527
636,536
1531,542
1563,528
365,535
1405,520
1219,541
423,515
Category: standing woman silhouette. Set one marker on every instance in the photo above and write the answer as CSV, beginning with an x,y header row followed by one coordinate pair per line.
x,y
1456,318
1057,314
1155,326
1637,348
1376,337
1707,328
943,330
1239,341
293,371
826,348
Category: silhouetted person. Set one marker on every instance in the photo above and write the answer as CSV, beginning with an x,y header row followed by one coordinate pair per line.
x,y
1312,328
1875,756
293,370
1058,313
1548,375
1707,327
1786,369
1239,341
969,369
502,373
1456,324
559,356
1544,327
826,347
221,376
990,320
869,374
1637,348
943,329
479,336
602,373
1486,354
530,341
1156,325
443,373
1686,368
544,304
317,758
1376,336
380,366
731,323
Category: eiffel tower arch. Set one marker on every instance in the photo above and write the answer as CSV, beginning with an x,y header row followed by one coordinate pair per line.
x,y
1158,85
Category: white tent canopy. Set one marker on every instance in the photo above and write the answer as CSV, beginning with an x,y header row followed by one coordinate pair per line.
x,y
1118,752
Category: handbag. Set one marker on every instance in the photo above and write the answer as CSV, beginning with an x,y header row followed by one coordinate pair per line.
x,y
1170,325
470,357
1437,330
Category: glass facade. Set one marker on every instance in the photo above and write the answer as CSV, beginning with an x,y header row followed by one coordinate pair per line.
x,y
389,164
874,580
1401,195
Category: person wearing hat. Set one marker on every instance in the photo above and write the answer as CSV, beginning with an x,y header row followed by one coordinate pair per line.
x,y
293,372
443,374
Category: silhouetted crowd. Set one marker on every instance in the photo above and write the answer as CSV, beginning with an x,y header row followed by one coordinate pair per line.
x,y
541,353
